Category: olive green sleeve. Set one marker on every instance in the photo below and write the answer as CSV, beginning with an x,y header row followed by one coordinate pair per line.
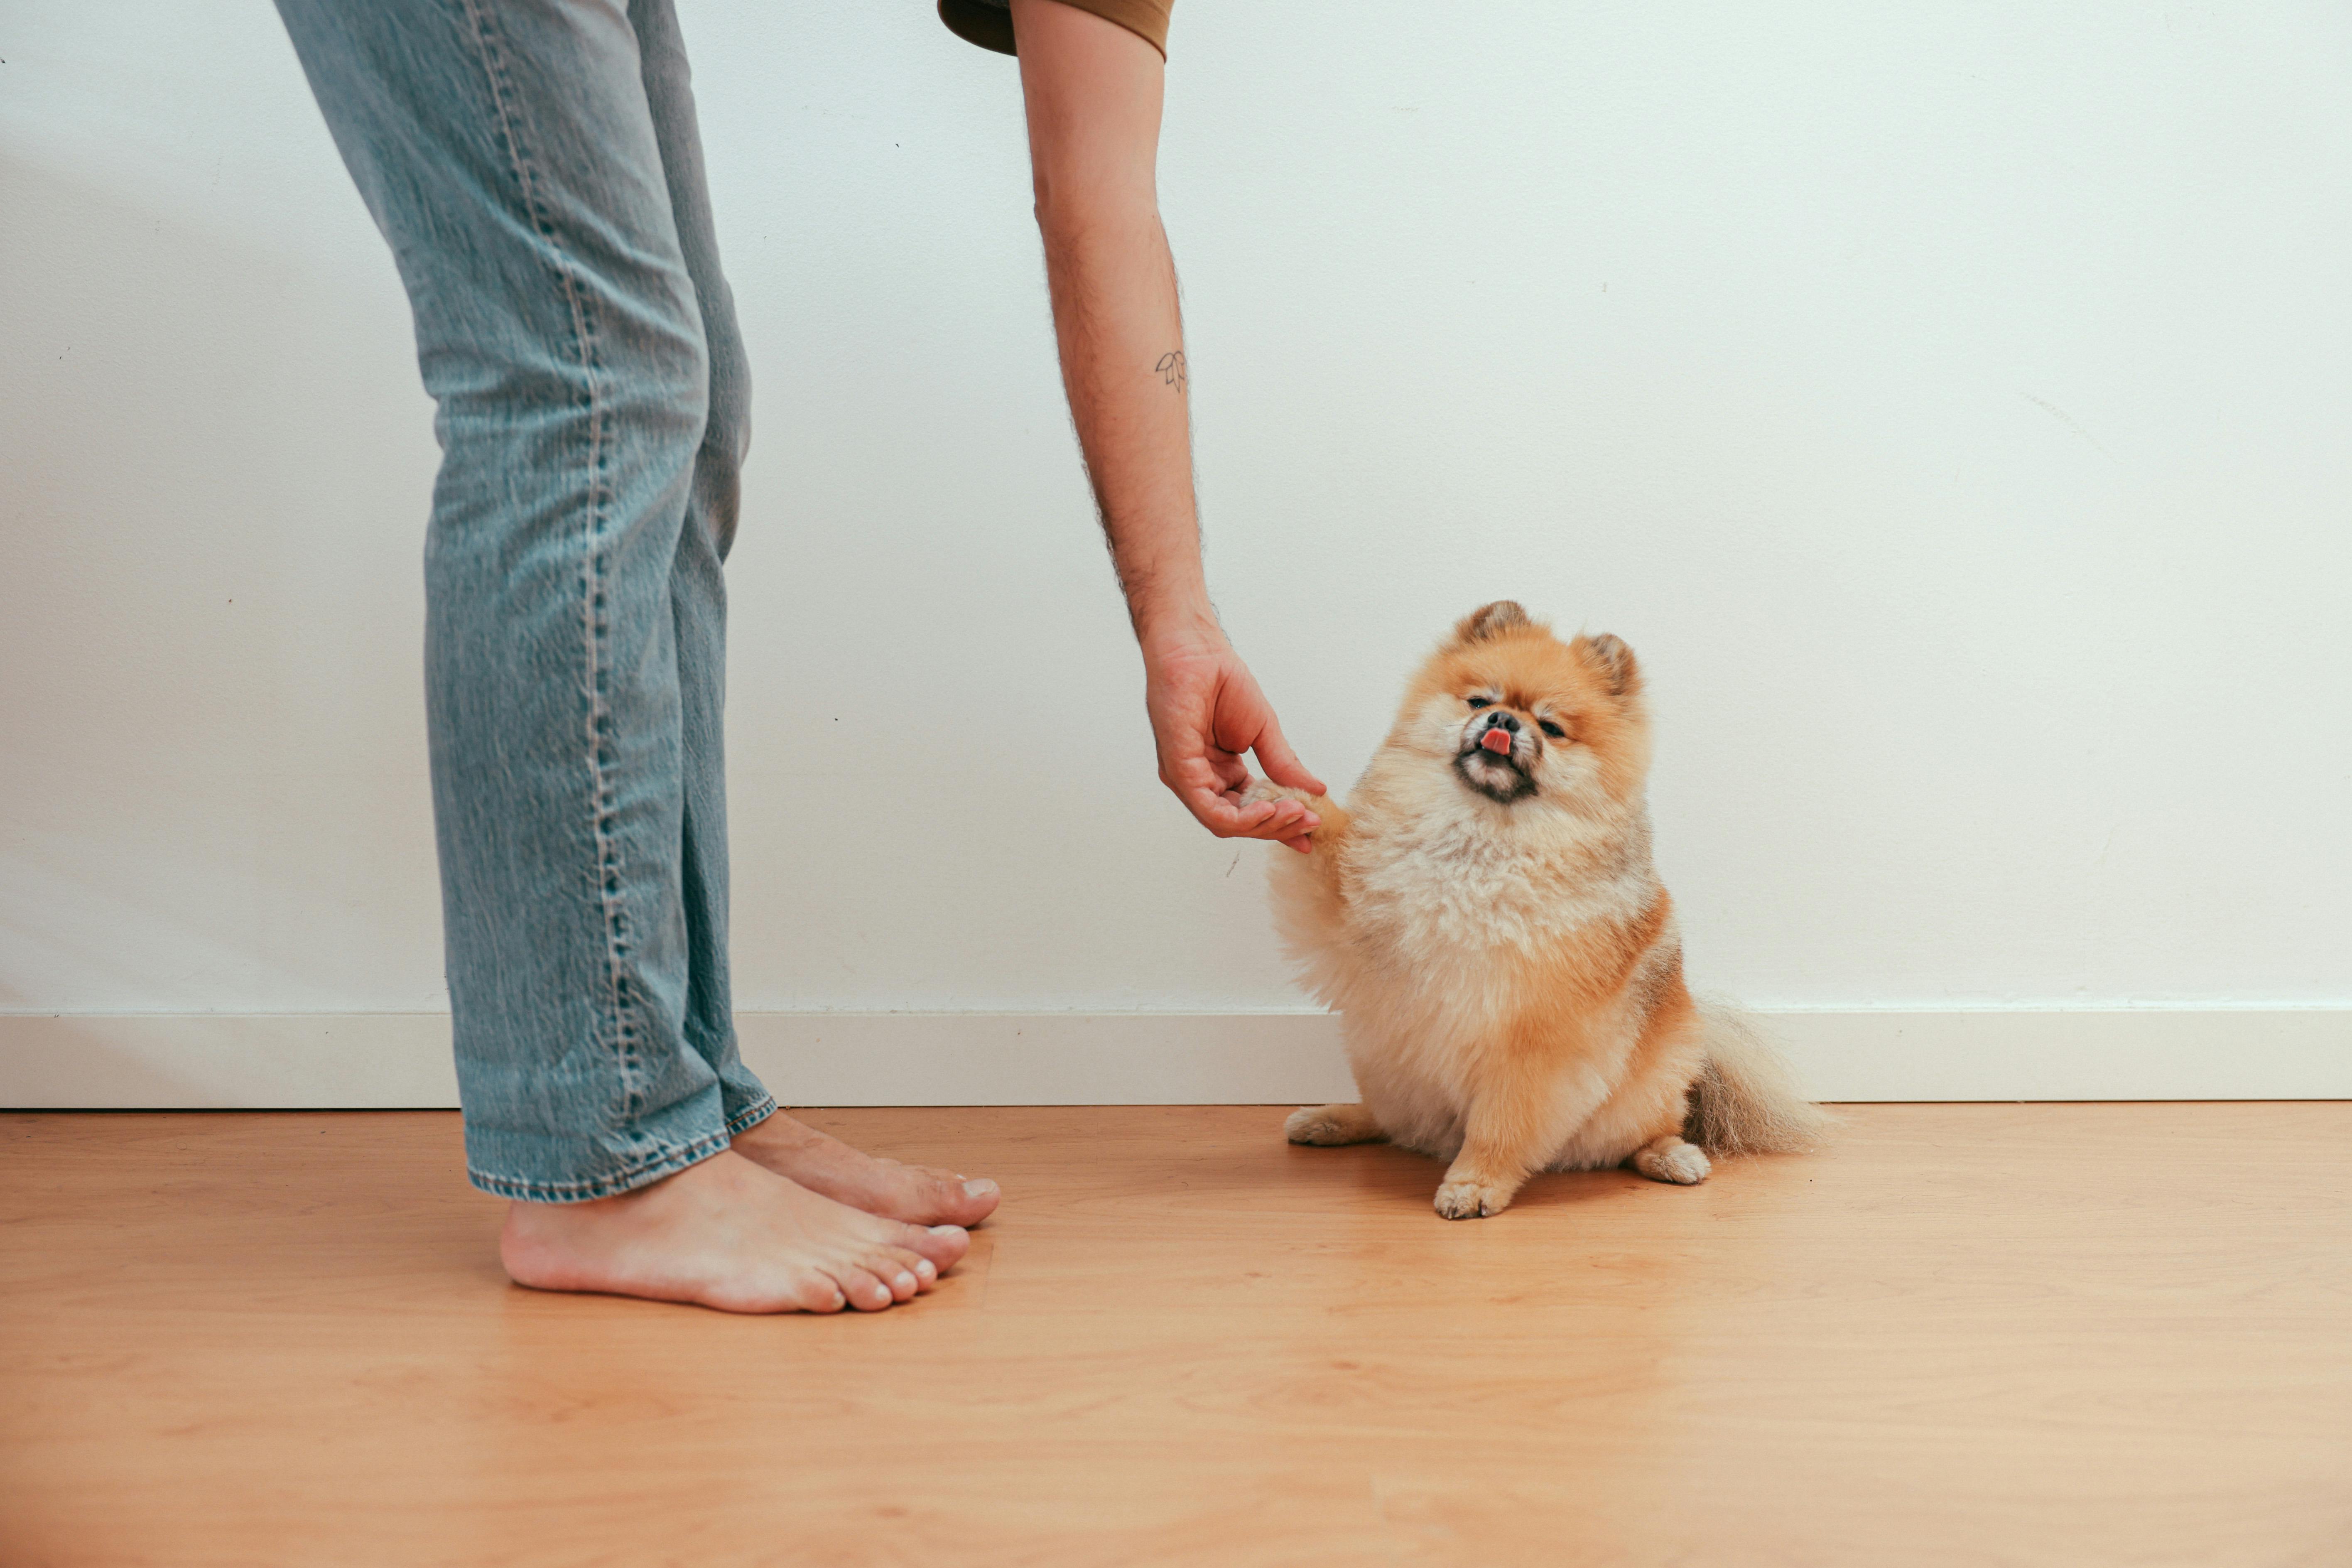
x,y
988,23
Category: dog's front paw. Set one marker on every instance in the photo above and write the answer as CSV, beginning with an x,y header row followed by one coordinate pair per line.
x,y
1261,790
1471,1200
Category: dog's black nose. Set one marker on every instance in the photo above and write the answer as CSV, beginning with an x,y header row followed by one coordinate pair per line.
x,y
1503,721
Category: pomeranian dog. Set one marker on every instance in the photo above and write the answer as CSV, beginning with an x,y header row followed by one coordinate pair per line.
x,y
1483,915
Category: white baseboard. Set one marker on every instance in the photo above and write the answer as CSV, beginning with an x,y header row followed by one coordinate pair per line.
x,y
379,1060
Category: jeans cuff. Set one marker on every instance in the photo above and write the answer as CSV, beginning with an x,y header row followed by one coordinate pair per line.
x,y
639,1172
752,1115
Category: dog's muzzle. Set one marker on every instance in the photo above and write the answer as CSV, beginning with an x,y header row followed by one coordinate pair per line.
x,y
1494,756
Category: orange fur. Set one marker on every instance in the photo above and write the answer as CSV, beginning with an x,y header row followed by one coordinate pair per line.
x,y
1504,960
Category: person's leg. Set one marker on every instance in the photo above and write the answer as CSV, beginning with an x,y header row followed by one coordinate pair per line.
x,y
698,584
919,1195
509,155
506,153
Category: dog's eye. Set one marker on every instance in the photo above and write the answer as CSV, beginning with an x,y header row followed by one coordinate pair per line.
x,y
1480,701
1554,730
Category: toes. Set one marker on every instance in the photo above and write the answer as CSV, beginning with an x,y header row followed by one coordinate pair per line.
x,y
818,1293
1671,1159
1458,1200
957,1200
866,1292
1330,1125
897,1260
943,1244
1684,1166
1468,1200
896,1269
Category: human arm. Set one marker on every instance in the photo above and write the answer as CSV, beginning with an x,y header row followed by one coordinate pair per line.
x,y
1093,93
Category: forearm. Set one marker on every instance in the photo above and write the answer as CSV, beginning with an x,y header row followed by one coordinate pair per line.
x,y
1093,97
1121,337
1092,90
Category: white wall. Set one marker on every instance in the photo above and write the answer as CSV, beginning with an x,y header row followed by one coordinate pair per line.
x,y
1949,402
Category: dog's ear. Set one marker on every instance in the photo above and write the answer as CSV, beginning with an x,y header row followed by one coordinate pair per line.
x,y
1611,660
1491,620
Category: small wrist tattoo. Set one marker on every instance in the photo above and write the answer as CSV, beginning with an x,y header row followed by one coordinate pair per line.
x,y
1172,368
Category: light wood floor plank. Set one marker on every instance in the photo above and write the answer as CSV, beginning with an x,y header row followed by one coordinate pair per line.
x,y
1966,1335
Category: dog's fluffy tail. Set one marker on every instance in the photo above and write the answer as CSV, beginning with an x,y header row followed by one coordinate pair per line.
x,y
1744,1100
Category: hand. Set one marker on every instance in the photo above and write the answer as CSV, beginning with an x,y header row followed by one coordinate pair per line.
x,y
1206,713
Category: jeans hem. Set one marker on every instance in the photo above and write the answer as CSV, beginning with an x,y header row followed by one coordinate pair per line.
x,y
642,1173
744,1121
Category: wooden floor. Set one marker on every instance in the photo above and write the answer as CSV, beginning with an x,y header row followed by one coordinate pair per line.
x,y
2077,1334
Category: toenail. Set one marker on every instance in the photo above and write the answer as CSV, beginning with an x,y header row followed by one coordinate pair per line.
x,y
978,1189
923,1266
946,1230
905,1281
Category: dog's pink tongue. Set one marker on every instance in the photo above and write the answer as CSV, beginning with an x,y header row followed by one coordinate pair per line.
x,y
1496,741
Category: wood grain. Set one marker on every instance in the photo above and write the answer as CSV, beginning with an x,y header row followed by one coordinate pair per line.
x,y
1966,1335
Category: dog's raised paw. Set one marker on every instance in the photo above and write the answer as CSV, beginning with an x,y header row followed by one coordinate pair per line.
x,y
1261,790
1470,1200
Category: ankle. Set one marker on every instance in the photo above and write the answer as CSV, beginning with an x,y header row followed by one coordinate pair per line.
x,y
780,1129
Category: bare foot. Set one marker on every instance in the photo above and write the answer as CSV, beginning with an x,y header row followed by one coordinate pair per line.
x,y
729,1234
919,1195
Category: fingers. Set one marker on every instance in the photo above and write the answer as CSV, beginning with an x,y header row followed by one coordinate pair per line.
x,y
1280,762
1221,811
1208,715
1223,814
1291,819
1214,801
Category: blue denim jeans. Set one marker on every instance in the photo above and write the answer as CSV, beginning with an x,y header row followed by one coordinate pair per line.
x,y
535,166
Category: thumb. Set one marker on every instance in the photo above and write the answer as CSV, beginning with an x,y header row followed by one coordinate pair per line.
x,y
1282,765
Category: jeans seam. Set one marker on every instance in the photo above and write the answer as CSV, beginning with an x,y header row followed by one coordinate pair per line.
x,y
594,628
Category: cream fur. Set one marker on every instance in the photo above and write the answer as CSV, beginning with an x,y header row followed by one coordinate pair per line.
x,y
1508,972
